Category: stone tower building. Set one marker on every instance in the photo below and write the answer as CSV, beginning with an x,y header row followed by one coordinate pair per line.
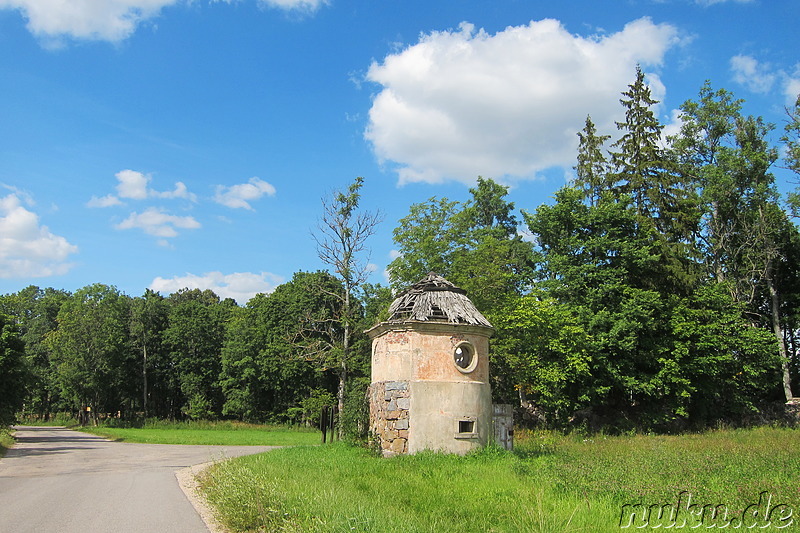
x,y
430,372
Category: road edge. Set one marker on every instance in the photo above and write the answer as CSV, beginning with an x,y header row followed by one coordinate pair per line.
x,y
187,481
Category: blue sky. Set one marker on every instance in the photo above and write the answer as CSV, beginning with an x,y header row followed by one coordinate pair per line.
x,y
172,143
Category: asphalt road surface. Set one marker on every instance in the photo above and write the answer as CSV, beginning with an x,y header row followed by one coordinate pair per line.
x,y
55,480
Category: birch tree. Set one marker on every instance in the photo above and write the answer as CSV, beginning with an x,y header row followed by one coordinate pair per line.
x,y
341,240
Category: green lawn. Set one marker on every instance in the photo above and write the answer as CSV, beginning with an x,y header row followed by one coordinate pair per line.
x,y
210,433
551,483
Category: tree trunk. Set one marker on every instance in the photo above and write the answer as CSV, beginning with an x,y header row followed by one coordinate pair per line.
x,y
778,330
343,369
719,273
144,378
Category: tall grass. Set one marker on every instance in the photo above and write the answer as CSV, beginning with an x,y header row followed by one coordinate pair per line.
x,y
551,483
340,488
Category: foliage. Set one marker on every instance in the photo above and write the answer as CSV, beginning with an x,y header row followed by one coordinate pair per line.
x,y
547,351
90,349
194,336
148,320
6,440
341,241
475,245
34,311
271,358
791,140
13,372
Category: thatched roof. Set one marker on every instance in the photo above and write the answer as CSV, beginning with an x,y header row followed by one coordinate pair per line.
x,y
435,299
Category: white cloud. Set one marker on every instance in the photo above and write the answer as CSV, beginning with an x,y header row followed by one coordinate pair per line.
x,y
239,196
308,6
241,286
792,86
156,222
109,20
464,103
712,2
134,185
757,77
104,20
180,191
28,249
673,127
761,77
105,201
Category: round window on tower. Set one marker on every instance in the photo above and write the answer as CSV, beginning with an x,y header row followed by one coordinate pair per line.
x,y
464,357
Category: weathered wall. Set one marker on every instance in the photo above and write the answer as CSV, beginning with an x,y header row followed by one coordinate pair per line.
x,y
418,395
425,352
389,415
436,409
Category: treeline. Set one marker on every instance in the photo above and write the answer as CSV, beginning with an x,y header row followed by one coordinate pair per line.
x,y
188,355
659,290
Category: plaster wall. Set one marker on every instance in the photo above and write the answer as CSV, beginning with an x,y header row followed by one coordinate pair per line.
x,y
438,407
425,352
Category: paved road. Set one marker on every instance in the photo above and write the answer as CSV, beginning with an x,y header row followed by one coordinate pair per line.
x,y
55,480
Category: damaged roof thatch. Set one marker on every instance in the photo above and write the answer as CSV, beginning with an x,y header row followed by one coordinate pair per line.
x,y
435,299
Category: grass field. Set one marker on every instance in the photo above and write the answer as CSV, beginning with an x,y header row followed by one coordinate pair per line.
x,y
209,433
551,483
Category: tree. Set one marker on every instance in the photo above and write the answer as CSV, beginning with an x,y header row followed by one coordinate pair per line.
x,y
706,155
644,171
639,162
34,311
547,351
341,239
475,245
791,140
744,231
592,169
276,348
90,349
427,239
195,336
13,371
148,321
492,262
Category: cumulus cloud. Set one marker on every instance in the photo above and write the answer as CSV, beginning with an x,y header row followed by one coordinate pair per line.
x,y
241,286
157,222
757,77
104,20
464,103
792,86
239,196
762,77
134,185
28,249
